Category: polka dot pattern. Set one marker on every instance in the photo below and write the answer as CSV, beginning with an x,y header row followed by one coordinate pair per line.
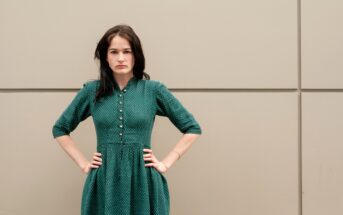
x,y
123,122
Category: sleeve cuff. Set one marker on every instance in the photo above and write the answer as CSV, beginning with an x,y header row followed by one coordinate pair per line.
x,y
193,131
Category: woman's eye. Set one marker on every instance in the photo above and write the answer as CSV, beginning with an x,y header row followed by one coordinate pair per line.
x,y
116,52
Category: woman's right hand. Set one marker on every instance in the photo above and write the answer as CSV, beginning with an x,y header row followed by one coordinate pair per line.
x,y
95,163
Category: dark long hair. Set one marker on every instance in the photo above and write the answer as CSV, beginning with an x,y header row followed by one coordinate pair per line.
x,y
107,82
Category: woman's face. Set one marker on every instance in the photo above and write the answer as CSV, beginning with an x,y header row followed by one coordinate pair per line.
x,y
120,56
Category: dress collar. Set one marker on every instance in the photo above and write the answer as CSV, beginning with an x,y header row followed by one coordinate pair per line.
x,y
129,83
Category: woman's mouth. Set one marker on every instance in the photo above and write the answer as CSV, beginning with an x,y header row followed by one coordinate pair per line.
x,y
121,66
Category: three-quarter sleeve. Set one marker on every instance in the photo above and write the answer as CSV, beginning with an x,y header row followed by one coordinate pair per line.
x,y
77,111
169,106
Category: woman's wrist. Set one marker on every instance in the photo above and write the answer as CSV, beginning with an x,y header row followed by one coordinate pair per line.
x,y
171,158
84,167
166,165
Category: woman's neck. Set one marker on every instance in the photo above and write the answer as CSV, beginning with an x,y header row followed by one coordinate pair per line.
x,y
122,80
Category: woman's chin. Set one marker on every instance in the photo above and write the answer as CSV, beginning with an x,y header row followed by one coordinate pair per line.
x,y
122,72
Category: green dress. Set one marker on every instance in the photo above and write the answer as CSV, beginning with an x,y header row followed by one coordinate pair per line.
x,y
123,121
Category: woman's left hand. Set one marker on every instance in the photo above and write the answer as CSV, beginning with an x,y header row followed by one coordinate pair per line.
x,y
149,156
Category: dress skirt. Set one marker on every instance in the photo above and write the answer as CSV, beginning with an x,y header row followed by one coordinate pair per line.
x,y
122,185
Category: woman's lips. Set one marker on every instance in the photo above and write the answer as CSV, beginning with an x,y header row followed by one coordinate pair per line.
x,y
121,66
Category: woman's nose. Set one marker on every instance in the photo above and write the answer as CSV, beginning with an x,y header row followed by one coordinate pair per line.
x,y
121,57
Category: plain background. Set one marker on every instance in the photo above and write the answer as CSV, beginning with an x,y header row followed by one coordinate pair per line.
x,y
263,78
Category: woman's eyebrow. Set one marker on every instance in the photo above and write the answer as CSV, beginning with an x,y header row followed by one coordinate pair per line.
x,y
118,49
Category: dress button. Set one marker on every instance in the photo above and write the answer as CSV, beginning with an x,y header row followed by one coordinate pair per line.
x,y
121,126
124,90
121,118
120,134
121,110
120,95
120,102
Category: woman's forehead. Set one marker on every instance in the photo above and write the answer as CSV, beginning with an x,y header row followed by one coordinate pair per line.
x,y
119,42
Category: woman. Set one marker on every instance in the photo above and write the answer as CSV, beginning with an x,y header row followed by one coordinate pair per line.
x,y
124,176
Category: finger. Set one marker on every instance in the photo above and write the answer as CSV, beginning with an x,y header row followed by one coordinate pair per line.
x,y
97,158
149,164
147,150
147,159
147,155
94,166
97,153
96,162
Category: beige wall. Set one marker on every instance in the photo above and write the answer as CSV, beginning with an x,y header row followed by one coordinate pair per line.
x,y
263,78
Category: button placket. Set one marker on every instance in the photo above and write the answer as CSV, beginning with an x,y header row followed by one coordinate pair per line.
x,y
121,115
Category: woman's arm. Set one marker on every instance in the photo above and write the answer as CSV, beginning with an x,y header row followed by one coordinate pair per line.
x,y
180,148
168,105
69,146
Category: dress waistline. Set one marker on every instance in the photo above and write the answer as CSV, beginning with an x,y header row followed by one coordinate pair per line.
x,y
123,144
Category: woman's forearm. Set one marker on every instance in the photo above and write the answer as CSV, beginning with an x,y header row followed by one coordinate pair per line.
x,y
69,146
180,148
